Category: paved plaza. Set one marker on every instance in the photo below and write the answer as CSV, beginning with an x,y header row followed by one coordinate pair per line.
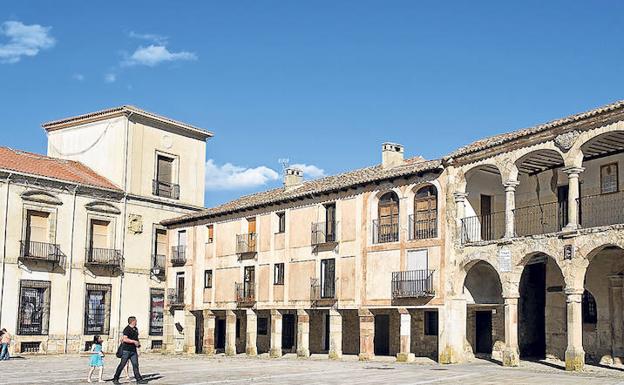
x,y
198,370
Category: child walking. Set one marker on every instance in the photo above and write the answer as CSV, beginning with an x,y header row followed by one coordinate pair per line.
x,y
96,358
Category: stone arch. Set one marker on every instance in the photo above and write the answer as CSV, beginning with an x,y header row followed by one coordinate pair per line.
x,y
580,138
482,283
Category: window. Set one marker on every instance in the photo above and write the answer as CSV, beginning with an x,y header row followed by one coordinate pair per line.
x,y
238,327
157,306
330,222
387,226
278,274
34,308
263,326
431,323
281,222
208,279
590,313
180,287
425,213
210,229
609,178
99,230
97,309
328,278
37,226
160,247
164,185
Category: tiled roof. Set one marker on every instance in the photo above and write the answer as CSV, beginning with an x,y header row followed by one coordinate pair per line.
x,y
125,109
54,168
496,140
317,186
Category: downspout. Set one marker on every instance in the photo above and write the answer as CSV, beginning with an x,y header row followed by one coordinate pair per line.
x,y
70,269
4,242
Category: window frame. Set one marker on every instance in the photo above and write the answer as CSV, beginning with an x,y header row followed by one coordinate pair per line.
x,y
281,222
278,274
107,294
210,233
153,330
617,178
208,279
45,287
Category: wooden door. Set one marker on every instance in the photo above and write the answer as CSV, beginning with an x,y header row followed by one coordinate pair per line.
x,y
251,225
99,234
562,204
180,287
37,229
486,217
382,335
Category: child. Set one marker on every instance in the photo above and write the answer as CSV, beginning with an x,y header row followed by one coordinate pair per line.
x,y
96,358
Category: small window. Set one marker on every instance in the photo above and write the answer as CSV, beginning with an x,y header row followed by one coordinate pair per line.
x,y
210,229
590,314
263,326
431,323
609,178
281,222
278,276
208,279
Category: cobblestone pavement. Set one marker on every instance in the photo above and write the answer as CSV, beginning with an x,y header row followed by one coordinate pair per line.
x,y
198,370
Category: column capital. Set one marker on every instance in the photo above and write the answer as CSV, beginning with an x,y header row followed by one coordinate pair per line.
x,y
460,196
573,294
510,299
573,171
510,185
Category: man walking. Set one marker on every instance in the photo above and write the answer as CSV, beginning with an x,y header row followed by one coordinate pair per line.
x,y
129,345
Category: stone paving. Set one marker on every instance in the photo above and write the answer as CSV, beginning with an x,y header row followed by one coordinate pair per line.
x,y
198,370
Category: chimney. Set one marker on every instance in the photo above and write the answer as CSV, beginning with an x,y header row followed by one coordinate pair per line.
x,y
293,177
391,155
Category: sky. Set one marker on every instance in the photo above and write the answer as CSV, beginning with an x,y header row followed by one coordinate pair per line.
x,y
320,83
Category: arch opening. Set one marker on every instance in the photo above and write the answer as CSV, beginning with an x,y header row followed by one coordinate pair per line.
x,y
484,217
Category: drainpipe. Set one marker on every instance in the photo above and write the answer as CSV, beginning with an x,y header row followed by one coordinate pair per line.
x,y
70,269
4,242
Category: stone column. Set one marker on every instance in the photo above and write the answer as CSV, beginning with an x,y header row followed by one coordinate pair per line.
x,y
209,333
405,332
573,195
252,333
460,203
452,331
511,354
367,334
303,333
169,330
617,319
510,206
276,334
230,333
335,335
574,355
189,332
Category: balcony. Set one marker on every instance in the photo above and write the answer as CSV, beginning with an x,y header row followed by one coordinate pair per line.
x,y
323,292
602,210
540,219
323,233
105,258
246,244
385,232
178,255
422,228
158,265
483,228
165,189
42,252
245,294
412,284
175,297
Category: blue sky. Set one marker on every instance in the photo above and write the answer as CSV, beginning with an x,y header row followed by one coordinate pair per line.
x,y
322,83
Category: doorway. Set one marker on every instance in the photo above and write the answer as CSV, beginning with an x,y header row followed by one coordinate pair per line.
x,y
382,335
486,218
220,334
532,309
326,342
483,334
288,331
199,332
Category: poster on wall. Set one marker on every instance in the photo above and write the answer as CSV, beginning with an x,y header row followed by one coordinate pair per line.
x,y
504,260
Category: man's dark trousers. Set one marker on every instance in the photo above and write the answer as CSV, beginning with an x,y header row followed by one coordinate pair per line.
x,y
134,360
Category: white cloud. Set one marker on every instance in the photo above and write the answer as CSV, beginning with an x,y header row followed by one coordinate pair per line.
x,y
110,78
78,77
153,55
231,177
310,170
149,37
24,40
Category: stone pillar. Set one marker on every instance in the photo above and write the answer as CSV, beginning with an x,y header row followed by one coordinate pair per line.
x,y
510,206
276,334
367,334
574,355
252,333
335,335
460,203
303,333
405,332
573,195
617,319
189,332
230,333
209,333
169,330
511,354
452,331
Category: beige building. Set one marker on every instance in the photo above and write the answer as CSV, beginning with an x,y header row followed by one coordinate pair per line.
x,y
82,244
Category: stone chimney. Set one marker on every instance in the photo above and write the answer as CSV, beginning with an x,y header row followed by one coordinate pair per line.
x,y
391,155
293,177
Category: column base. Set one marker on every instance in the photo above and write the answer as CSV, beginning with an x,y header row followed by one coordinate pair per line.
x,y
275,353
366,356
511,357
449,356
406,357
574,360
303,353
335,355
251,352
230,352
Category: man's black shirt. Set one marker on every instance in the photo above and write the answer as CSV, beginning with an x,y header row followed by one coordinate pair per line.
x,y
133,334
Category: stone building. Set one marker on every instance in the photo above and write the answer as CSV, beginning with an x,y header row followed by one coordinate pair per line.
x,y
82,244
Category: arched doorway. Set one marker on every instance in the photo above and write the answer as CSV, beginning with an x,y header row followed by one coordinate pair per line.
x,y
542,309
388,218
485,205
425,221
484,310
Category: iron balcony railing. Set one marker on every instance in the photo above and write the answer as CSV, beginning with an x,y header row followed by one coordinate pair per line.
x,y
540,219
165,189
323,232
175,297
422,228
97,256
246,243
483,228
178,255
602,209
245,293
41,251
385,232
412,284
158,265
322,290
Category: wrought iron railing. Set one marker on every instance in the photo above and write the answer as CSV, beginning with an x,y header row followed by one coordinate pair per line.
x,y
41,251
246,243
412,284
323,232
540,219
245,293
178,255
385,232
422,228
322,289
165,189
97,256
483,228
158,265
602,209
175,297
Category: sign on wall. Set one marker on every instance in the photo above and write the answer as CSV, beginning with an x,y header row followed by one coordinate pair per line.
x,y
504,260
